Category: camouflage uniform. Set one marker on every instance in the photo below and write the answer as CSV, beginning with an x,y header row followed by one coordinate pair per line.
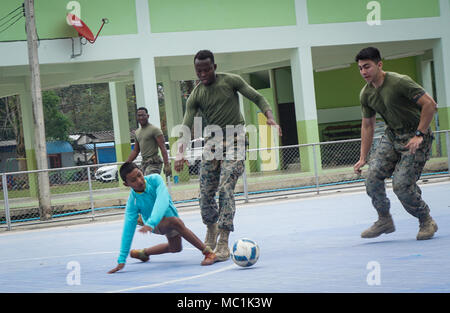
x,y
220,173
391,158
152,165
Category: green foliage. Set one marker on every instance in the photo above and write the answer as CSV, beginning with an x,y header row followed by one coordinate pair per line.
x,y
57,125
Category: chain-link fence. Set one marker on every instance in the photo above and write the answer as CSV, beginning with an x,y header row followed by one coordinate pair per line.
x,y
95,191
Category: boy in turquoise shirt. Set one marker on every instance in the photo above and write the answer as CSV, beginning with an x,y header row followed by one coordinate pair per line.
x,y
150,197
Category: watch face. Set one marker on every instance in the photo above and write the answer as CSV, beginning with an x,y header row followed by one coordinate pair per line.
x,y
419,133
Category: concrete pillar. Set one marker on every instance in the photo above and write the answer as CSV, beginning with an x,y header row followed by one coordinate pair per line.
x,y
305,105
117,92
26,107
441,57
174,116
146,88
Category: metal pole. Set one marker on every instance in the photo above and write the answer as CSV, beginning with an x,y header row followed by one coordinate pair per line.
x,y
91,197
169,185
244,177
5,196
316,174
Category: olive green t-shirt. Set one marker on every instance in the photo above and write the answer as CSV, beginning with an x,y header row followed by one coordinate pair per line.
x,y
395,100
146,137
219,102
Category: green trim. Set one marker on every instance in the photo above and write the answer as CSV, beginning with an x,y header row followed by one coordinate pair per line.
x,y
122,151
444,118
341,11
308,132
32,178
192,15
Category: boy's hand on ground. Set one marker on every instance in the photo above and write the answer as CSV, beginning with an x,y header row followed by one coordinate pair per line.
x,y
145,229
117,268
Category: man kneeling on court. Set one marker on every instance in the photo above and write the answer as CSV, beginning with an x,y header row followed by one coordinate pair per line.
x,y
150,197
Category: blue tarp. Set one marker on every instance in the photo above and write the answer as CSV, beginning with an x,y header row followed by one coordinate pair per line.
x,y
55,147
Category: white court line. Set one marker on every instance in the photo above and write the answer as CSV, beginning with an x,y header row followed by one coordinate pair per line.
x,y
174,281
55,257
66,256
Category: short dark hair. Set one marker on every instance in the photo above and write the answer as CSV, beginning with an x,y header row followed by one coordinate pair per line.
x,y
369,53
125,169
203,55
142,108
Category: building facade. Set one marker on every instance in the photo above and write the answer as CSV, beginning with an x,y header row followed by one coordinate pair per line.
x,y
298,53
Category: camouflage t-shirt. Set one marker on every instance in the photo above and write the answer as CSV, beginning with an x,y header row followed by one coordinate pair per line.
x,y
395,101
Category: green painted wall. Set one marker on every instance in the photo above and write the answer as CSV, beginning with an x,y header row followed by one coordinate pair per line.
x,y
341,88
339,11
182,15
51,18
444,124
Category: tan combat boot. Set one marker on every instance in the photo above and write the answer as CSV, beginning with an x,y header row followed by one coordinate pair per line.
x,y
222,251
211,235
384,225
427,228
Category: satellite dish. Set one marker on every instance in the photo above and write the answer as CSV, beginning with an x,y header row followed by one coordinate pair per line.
x,y
82,29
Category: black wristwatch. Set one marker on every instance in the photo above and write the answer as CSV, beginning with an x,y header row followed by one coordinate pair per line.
x,y
419,133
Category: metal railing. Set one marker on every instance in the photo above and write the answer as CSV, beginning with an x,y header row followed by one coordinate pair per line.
x,y
92,191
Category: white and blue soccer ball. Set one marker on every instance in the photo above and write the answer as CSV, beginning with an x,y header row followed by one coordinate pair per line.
x,y
245,252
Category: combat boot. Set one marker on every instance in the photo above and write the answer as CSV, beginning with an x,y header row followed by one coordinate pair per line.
x,y
384,225
427,228
222,251
211,235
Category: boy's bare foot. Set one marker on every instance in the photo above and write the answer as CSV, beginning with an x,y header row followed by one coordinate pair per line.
x,y
139,254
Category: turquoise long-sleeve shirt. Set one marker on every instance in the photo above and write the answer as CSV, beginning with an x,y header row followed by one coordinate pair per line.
x,y
153,204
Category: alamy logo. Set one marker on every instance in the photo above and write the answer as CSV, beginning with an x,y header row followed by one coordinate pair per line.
x,y
74,7
374,16
229,143
74,276
374,276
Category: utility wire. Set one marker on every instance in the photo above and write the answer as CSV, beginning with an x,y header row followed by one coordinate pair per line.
x,y
18,8
17,17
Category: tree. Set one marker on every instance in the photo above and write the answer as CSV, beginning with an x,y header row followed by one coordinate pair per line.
x,y
57,125
11,126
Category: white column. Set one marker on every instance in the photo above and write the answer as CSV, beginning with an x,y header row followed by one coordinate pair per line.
x,y
146,88
303,84
172,100
118,96
305,104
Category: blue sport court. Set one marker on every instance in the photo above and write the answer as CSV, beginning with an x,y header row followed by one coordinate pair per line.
x,y
309,243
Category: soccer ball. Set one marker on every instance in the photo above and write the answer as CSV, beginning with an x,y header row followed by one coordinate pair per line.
x,y
245,252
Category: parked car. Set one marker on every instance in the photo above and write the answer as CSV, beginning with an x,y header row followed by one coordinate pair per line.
x,y
193,155
109,173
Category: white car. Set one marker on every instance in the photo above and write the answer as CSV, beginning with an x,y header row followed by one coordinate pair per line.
x,y
109,173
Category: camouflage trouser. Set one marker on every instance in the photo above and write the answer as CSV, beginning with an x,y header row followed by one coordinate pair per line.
x,y
152,165
219,175
391,158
